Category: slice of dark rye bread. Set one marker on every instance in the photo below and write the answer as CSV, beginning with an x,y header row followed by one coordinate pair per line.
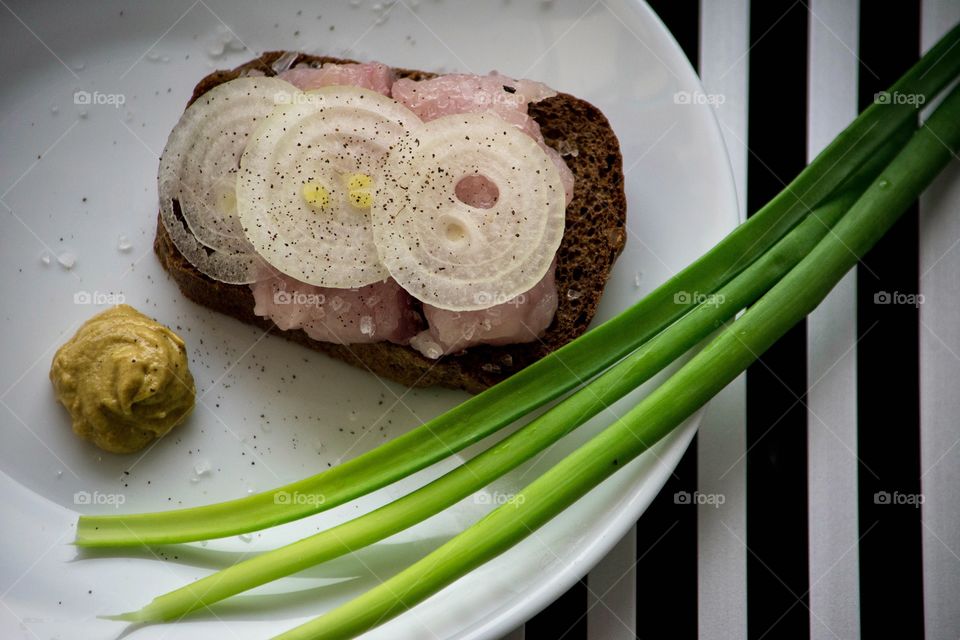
x,y
593,239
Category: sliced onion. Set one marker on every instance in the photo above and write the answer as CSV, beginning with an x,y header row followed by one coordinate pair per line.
x,y
197,177
459,257
331,145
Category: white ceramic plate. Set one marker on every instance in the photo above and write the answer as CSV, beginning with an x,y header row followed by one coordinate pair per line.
x,y
75,177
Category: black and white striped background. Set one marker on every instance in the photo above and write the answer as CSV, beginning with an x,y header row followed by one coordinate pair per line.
x,y
823,451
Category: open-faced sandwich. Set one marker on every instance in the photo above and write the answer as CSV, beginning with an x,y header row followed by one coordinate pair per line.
x,y
434,229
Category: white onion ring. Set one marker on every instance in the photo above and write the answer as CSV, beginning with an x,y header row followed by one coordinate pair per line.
x,y
198,173
327,135
455,256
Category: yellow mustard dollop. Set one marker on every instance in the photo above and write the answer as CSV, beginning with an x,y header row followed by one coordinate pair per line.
x,y
125,380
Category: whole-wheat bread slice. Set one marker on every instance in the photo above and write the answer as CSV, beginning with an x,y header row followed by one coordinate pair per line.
x,y
592,241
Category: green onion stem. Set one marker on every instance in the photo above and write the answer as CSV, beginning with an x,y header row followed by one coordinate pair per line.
x,y
564,369
722,360
532,438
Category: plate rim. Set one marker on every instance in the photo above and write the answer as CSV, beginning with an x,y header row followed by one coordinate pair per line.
x,y
525,605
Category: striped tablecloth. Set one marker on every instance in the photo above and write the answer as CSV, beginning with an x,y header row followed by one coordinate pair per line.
x,y
820,497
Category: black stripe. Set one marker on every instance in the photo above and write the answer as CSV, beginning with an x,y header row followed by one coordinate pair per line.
x,y
667,557
777,558
563,619
682,18
667,532
888,391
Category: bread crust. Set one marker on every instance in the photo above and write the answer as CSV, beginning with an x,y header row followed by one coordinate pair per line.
x,y
595,235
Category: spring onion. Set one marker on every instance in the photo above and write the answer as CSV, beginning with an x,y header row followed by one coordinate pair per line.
x,y
613,384
709,371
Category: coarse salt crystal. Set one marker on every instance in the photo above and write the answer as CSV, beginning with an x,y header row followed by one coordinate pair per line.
x,y
67,260
366,325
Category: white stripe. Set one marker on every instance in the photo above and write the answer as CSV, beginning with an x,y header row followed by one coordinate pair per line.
x,y
612,597
831,353
939,372
721,558
724,70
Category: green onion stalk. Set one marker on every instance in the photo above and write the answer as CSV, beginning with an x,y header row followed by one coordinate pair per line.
x,y
525,443
568,367
710,370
